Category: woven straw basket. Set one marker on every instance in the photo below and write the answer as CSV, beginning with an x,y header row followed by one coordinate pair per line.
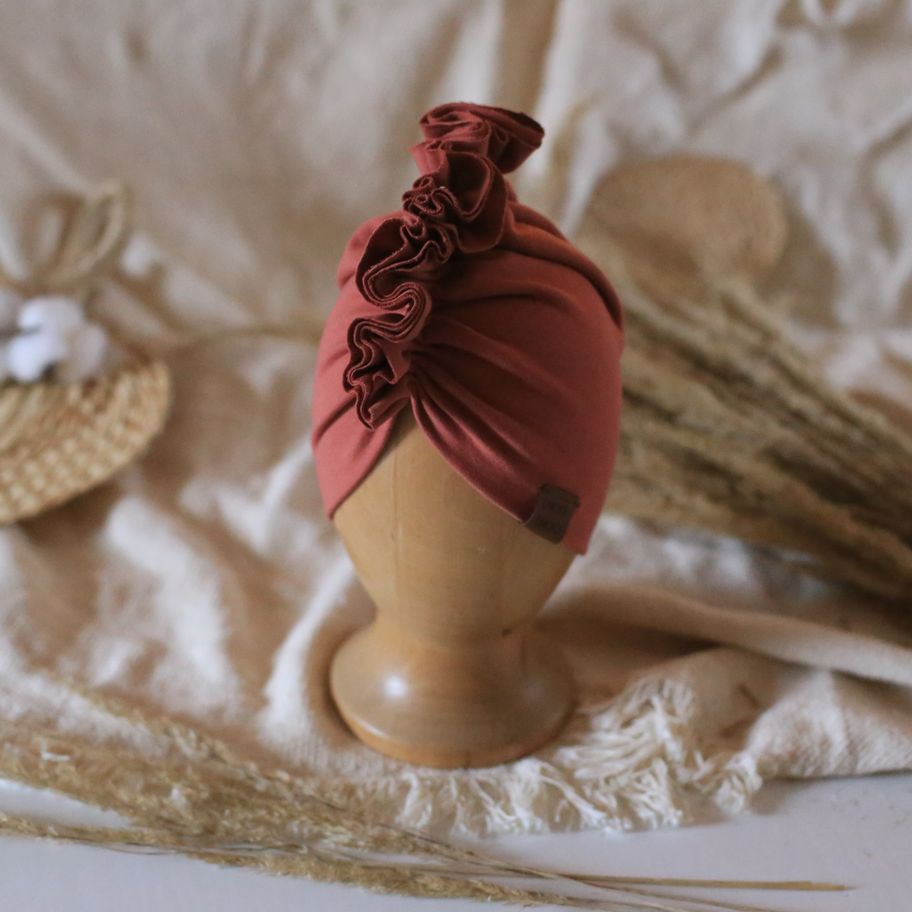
x,y
59,440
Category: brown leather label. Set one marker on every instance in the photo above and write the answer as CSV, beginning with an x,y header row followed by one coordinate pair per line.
x,y
553,510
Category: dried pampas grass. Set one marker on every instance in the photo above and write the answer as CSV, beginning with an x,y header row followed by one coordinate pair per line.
x,y
183,791
726,425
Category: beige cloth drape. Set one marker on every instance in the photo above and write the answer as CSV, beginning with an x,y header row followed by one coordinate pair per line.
x,y
205,583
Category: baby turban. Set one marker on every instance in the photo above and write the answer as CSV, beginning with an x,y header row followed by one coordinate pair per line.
x,y
474,311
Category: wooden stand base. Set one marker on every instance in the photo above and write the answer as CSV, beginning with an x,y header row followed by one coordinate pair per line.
x,y
490,702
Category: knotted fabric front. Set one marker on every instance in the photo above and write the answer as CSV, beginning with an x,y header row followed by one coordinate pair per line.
x,y
476,313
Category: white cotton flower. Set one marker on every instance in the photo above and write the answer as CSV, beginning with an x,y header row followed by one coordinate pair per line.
x,y
29,355
48,335
51,313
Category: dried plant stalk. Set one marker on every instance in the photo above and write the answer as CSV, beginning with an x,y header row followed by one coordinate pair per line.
x,y
726,425
186,792
727,428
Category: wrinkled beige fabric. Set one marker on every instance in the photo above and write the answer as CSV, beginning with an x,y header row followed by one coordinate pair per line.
x,y
205,582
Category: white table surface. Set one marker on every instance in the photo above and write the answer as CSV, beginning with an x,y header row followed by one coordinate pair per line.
x,y
855,831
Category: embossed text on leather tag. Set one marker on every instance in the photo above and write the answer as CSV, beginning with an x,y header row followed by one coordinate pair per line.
x,y
553,511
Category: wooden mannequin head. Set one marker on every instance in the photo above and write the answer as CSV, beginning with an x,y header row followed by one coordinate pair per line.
x,y
450,673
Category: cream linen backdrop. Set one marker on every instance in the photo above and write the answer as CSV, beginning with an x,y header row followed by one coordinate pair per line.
x,y
205,583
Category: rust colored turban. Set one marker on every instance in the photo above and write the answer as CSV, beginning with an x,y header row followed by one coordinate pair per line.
x,y
476,313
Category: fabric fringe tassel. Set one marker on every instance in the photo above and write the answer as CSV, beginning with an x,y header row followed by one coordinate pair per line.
x,y
630,763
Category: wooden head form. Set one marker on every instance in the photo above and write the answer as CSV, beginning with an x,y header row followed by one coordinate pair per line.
x,y
451,672
508,339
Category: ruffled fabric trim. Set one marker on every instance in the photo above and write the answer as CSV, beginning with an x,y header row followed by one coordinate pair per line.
x,y
459,204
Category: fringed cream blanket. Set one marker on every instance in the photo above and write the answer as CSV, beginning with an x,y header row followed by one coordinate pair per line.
x,y
205,585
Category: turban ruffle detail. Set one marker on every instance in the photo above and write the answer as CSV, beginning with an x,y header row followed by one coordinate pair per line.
x,y
475,311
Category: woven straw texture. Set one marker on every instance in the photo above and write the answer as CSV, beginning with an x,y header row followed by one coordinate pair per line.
x,y
57,441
